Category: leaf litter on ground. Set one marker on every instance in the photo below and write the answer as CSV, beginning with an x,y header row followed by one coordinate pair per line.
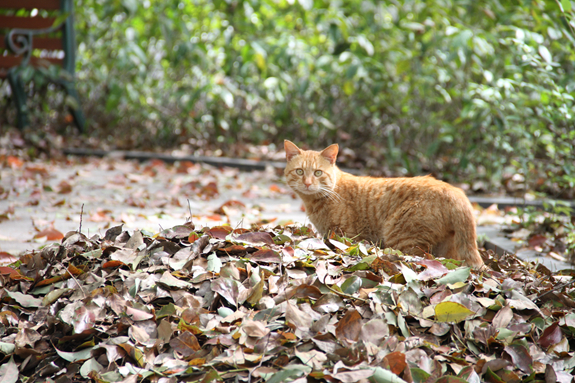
x,y
276,304
548,230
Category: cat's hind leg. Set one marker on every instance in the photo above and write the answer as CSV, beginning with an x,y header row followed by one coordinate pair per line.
x,y
460,245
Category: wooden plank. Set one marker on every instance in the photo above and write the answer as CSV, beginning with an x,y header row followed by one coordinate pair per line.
x,y
30,4
48,43
12,61
26,22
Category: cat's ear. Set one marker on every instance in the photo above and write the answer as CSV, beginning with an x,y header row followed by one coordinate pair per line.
x,y
291,150
330,153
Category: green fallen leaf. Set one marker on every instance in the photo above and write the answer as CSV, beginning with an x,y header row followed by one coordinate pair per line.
x,y
419,375
364,264
214,263
402,324
89,366
24,299
92,254
84,354
452,312
225,311
166,310
457,275
351,285
382,375
280,239
7,348
408,274
291,371
52,296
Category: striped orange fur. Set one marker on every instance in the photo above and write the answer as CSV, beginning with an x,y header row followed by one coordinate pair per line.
x,y
414,215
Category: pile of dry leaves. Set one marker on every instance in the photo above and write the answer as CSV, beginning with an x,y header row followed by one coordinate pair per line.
x,y
276,305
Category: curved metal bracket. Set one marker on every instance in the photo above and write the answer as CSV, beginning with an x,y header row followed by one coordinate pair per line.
x,y
19,40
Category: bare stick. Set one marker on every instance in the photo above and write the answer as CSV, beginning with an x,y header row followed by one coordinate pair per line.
x,y
81,214
558,287
344,295
190,210
74,278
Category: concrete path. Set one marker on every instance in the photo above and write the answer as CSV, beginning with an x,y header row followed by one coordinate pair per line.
x,y
102,193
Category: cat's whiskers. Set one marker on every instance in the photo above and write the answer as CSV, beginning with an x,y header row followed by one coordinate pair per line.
x,y
328,196
331,194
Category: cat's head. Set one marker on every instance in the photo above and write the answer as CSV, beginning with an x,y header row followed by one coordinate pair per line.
x,y
310,172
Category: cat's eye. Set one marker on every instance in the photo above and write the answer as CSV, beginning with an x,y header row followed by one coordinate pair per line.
x,y
318,173
299,172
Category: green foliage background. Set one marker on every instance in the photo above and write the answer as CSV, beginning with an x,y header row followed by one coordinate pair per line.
x,y
472,89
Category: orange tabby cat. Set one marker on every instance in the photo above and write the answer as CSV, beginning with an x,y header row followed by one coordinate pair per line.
x,y
414,215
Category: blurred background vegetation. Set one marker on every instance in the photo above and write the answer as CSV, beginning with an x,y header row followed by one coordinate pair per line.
x,y
472,91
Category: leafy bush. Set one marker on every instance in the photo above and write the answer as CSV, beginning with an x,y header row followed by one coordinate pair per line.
x,y
478,90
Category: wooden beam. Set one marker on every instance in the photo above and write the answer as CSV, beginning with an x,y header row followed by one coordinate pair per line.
x,y
26,22
12,61
48,43
30,4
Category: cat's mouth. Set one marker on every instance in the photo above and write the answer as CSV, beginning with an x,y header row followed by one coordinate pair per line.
x,y
311,191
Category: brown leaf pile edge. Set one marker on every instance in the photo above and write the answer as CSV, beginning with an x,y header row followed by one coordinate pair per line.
x,y
275,305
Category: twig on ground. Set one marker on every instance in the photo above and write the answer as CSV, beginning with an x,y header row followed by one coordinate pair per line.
x,y
81,215
74,278
559,287
344,295
190,209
